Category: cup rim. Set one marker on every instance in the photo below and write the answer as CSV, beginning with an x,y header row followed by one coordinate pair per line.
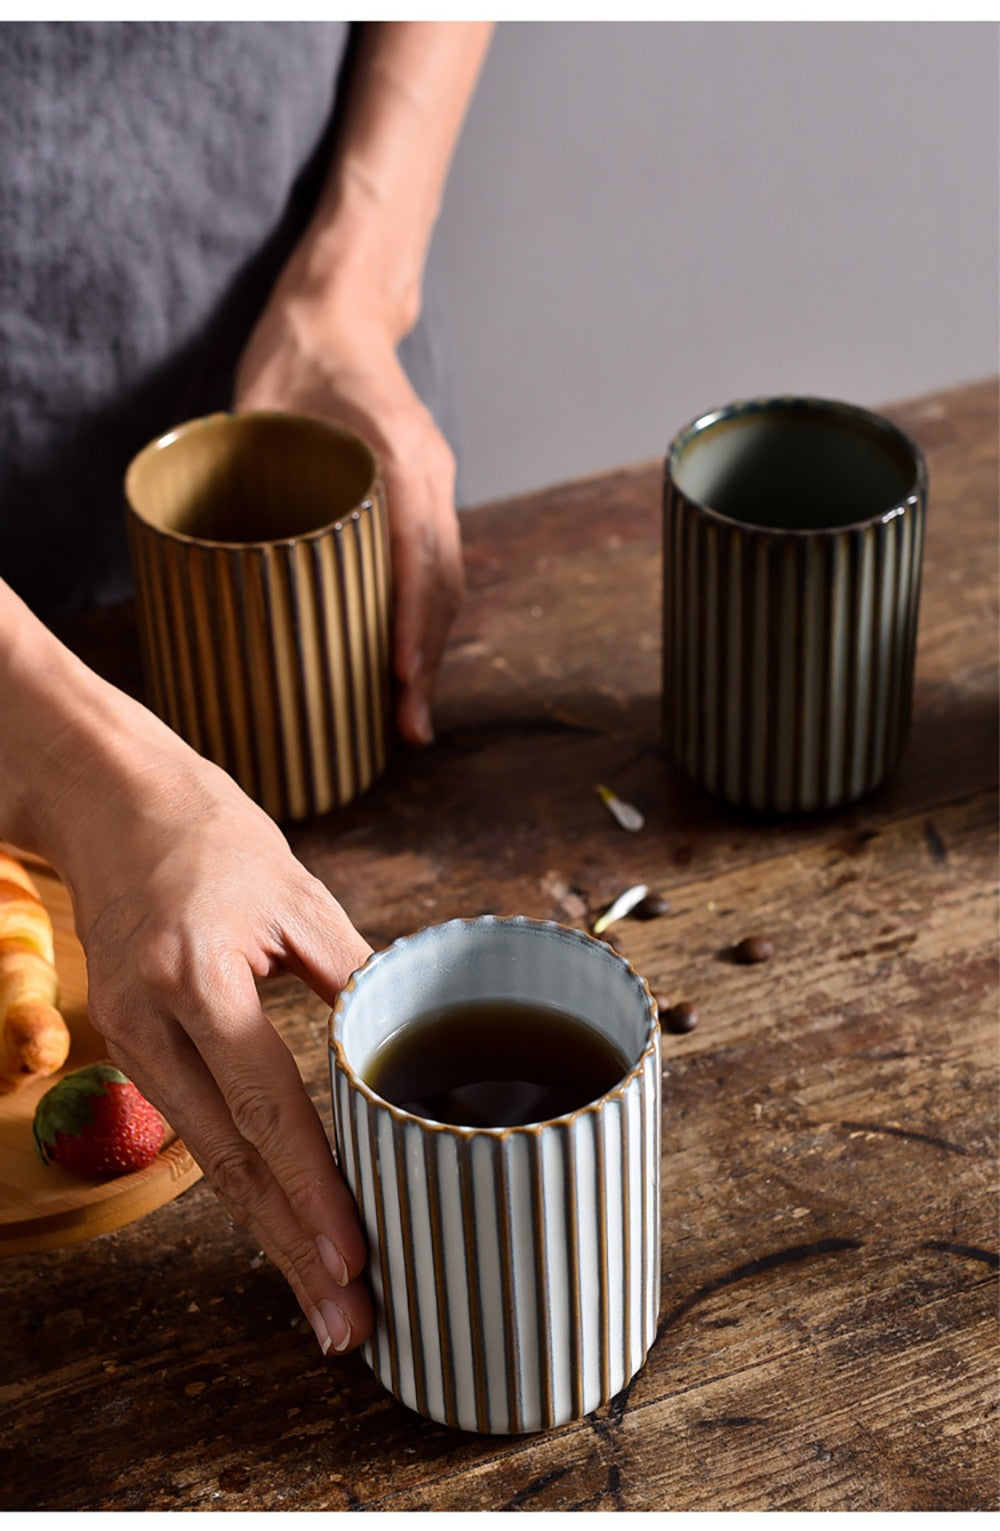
x,y
222,416
524,1129
817,405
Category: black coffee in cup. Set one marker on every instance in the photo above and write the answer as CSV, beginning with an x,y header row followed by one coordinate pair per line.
x,y
495,1063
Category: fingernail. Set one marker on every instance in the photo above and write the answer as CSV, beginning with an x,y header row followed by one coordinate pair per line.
x,y
333,1260
423,725
320,1330
338,1330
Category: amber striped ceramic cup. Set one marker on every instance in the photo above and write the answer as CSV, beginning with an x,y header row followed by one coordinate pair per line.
x,y
515,1267
260,560
793,538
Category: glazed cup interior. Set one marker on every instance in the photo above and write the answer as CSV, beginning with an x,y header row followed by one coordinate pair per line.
x,y
250,478
486,959
795,465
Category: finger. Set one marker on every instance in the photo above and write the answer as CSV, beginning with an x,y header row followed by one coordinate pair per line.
x,y
434,580
416,668
429,588
306,1224
270,1109
319,944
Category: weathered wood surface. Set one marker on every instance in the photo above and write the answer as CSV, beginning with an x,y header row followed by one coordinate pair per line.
x,y
828,1338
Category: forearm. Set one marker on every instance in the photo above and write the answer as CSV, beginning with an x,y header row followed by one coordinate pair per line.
x,y
407,100
73,748
45,696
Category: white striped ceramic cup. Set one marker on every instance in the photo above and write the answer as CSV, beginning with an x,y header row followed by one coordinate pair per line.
x,y
515,1270
260,558
793,539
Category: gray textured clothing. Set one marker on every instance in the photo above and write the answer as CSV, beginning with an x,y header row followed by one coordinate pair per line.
x,y
153,179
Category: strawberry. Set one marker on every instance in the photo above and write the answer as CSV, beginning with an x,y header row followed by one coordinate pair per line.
x,y
94,1122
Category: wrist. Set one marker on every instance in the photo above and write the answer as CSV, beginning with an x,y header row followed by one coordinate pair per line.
x,y
354,267
72,747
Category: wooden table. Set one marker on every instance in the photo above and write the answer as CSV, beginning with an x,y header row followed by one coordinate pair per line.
x,y
829,1318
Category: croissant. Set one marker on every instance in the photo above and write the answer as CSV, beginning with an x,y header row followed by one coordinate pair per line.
x,y
34,1038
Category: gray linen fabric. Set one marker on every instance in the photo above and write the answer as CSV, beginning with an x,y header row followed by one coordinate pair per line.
x,y
153,178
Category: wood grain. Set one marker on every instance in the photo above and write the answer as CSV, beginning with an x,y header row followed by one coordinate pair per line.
x,y
828,1331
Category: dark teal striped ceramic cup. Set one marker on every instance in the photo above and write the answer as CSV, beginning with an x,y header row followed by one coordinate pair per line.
x,y
793,539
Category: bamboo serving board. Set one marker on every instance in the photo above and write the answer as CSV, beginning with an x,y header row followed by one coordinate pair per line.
x,y
43,1206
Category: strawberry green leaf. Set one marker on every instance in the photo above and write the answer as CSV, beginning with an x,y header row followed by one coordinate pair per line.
x,y
67,1106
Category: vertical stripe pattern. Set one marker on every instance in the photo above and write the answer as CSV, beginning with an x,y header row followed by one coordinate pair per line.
x,y
516,1279
515,1271
788,655
272,658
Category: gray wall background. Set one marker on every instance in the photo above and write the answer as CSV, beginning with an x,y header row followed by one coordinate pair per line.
x,y
645,220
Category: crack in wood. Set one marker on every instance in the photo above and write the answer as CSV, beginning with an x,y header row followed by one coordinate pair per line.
x,y
725,1421
965,1251
536,1487
792,1255
906,1132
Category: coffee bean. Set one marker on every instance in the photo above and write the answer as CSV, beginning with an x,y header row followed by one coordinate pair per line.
x,y
753,949
680,1018
651,907
662,1003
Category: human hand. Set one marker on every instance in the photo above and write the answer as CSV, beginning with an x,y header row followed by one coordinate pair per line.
x,y
185,894
341,363
351,290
